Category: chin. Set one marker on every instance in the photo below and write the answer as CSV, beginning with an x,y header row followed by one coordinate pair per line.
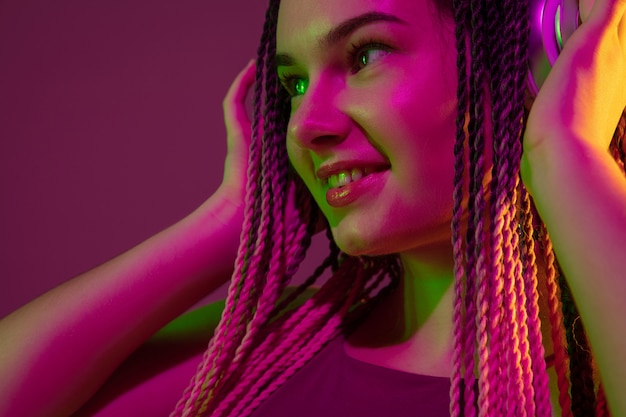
x,y
376,242
360,244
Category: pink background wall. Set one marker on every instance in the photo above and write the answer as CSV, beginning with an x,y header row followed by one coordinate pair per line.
x,y
110,126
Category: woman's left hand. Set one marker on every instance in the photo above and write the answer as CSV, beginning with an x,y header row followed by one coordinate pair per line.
x,y
577,187
585,92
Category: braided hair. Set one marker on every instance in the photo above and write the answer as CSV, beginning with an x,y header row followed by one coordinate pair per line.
x,y
496,309
262,340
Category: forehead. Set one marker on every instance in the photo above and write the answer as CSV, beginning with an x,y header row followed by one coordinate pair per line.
x,y
305,20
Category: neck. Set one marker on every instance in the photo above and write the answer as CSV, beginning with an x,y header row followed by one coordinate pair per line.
x,y
425,294
411,329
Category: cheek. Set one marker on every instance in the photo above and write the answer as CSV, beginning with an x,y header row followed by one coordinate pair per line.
x,y
298,158
418,122
303,165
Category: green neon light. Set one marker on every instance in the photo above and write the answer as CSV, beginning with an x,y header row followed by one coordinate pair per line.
x,y
557,27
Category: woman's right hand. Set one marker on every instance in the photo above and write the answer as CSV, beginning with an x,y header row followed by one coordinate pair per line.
x,y
239,133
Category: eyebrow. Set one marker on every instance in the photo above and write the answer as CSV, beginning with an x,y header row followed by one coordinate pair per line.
x,y
342,31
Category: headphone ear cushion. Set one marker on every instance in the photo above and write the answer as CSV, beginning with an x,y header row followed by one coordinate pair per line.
x,y
552,22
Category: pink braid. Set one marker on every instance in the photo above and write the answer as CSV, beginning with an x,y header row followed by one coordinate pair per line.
x,y
245,294
460,13
476,329
272,364
561,360
492,404
197,384
275,281
602,409
521,313
301,354
540,380
214,360
268,361
504,251
520,362
297,231
269,274
512,395
516,398
273,348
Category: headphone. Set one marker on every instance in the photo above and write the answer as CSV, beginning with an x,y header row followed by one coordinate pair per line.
x,y
552,22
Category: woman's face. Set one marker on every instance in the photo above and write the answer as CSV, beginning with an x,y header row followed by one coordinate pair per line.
x,y
372,124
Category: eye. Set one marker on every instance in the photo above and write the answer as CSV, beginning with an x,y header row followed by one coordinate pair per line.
x,y
362,55
294,84
300,85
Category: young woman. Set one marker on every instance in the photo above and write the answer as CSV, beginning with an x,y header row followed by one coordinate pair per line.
x,y
394,120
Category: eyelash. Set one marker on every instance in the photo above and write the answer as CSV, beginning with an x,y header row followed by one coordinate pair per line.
x,y
288,80
362,46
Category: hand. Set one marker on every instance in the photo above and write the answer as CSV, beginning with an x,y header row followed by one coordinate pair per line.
x,y
585,92
239,132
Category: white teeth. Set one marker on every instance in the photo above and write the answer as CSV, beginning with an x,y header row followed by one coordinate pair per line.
x,y
357,174
345,177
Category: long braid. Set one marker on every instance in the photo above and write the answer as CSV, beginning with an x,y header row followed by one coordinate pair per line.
x,y
507,247
537,350
273,196
265,264
236,374
300,332
533,352
506,174
267,271
327,324
602,408
208,372
518,25
498,332
508,72
476,293
561,359
581,371
275,349
331,261
211,369
460,11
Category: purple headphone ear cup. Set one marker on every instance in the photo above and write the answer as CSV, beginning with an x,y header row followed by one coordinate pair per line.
x,y
552,22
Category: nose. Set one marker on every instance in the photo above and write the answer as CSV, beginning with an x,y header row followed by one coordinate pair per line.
x,y
318,118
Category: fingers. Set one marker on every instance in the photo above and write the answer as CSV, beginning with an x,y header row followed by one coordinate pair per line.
x,y
586,89
234,102
238,132
584,6
603,12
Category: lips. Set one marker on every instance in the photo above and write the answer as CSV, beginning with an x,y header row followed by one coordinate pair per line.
x,y
349,180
